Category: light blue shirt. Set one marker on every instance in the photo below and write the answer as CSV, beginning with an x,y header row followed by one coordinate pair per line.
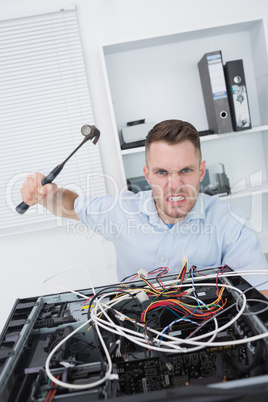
x,y
210,235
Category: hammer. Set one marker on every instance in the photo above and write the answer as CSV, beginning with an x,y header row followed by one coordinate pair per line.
x,y
90,132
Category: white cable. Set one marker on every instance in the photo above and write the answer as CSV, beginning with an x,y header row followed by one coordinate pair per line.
x,y
194,341
182,319
63,288
120,331
79,386
225,343
142,342
186,281
171,343
114,328
226,274
256,301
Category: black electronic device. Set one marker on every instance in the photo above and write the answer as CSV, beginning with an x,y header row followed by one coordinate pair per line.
x,y
134,134
137,184
215,181
132,341
141,143
133,144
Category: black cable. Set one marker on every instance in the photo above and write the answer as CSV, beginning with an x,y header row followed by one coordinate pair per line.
x,y
108,290
83,345
219,313
102,292
127,277
164,271
119,322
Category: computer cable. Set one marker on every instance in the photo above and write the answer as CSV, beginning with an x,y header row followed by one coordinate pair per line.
x,y
173,344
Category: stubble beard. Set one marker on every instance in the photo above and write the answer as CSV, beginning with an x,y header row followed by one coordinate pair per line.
x,y
176,212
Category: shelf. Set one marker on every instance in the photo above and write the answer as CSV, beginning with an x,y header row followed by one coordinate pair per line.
x,y
233,133
132,150
211,137
156,41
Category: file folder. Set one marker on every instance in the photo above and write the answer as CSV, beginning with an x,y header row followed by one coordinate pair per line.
x,y
215,92
238,97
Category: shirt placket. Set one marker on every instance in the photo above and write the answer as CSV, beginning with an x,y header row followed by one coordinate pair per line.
x,y
164,250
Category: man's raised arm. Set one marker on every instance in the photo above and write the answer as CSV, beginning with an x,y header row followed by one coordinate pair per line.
x,y
58,201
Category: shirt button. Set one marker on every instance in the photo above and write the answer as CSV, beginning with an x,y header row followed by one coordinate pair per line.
x,y
162,259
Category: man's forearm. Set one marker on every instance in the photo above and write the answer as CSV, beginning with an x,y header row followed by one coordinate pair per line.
x,y
62,204
59,201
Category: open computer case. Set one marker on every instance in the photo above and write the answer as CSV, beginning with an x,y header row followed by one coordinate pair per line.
x,y
197,336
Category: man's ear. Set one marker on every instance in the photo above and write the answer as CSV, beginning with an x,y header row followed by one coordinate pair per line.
x,y
202,170
146,174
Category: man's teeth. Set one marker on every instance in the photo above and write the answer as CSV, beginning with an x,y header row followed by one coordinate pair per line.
x,y
179,198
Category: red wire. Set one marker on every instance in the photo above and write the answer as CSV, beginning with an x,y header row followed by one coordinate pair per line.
x,y
49,397
194,267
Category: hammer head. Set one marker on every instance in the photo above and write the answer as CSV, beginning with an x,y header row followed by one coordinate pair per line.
x,y
90,133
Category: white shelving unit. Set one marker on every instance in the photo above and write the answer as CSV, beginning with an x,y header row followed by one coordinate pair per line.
x,y
157,79
210,137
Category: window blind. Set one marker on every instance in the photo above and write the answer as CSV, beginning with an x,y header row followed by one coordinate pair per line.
x,y
44,102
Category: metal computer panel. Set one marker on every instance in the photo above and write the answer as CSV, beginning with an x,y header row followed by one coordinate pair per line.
x,y
59,323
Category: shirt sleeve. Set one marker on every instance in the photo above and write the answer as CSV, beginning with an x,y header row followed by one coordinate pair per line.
x,y
245,254
96,212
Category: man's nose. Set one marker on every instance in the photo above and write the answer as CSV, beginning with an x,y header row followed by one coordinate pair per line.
x,y
175,180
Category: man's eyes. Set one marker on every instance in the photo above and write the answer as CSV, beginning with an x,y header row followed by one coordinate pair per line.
x,y
164,172
186,170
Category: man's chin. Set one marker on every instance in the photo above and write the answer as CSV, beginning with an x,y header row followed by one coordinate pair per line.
x,y
178,214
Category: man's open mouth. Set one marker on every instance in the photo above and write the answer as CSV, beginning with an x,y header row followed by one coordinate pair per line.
x,y
176,198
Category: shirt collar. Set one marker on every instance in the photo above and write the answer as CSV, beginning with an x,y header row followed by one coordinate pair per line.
x,y
198,210
148,208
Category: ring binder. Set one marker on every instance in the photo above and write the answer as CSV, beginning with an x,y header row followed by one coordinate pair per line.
x,y
215,92
238,97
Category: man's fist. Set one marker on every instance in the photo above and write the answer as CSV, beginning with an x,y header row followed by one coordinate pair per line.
x,y
33,192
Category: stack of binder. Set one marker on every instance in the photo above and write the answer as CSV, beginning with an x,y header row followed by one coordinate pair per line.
x,y
224,92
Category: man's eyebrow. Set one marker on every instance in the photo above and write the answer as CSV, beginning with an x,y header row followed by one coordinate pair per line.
x,y
191,167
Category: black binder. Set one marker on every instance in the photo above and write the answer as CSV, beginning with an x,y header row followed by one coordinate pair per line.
x,y
238,97
215,92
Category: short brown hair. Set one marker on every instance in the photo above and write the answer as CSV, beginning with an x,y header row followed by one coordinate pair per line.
x,y
173,132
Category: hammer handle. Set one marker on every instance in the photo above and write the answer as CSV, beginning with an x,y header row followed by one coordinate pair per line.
x,y
23,207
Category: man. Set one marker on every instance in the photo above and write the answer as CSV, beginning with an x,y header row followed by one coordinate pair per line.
x,y
171,222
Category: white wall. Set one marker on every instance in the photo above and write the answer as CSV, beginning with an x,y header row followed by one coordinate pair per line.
x,y
27,260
